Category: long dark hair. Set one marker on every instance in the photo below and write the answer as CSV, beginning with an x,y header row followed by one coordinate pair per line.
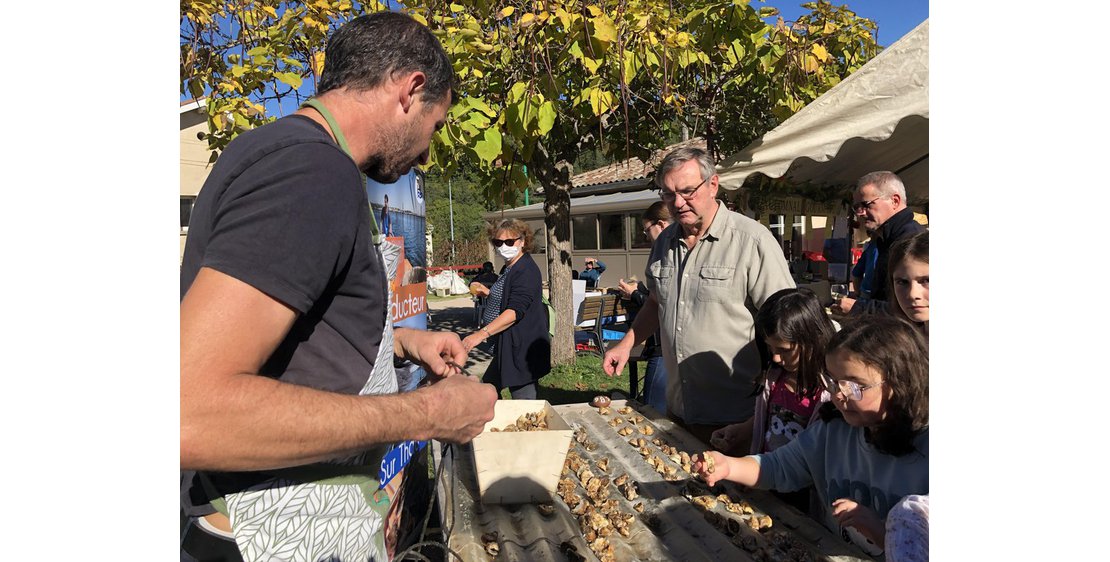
x,y
896,349
796,316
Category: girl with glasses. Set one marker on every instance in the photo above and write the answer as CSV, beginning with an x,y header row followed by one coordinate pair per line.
x,y
515,316
870,447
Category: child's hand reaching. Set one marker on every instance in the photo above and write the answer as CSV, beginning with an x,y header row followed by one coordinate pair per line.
x,y
711,466
851,514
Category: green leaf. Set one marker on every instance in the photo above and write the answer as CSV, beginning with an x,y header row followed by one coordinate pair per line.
x,y
196,88
259,52
516,93
480,105
489,147
604,30
591,64
238,71
546,118
291,78
455,8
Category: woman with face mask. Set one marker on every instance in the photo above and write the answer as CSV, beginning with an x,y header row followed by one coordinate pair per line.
x,y
515,318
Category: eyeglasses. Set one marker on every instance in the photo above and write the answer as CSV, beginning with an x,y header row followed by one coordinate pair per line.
x,y
687,194
857,207
647,229
497,243
851,389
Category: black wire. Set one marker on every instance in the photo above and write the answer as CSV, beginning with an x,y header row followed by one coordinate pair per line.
x,y
428,514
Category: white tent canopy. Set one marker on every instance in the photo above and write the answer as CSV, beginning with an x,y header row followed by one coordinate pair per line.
x,y
876,119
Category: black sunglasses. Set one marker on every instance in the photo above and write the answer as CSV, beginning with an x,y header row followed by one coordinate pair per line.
x,y
497,243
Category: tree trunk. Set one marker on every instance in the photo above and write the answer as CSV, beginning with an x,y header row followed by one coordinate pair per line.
x,y
555,178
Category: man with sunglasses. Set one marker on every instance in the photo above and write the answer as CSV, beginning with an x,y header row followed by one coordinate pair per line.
x,y
879,204
706,274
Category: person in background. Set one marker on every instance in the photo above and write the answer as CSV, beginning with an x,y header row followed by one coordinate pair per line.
x,y
907,530
515,315
703,273
485,277
880,204
869,449
387,223
655,219
592,273
289,398
909,275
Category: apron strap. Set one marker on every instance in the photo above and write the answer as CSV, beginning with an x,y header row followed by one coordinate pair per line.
x,y
341,140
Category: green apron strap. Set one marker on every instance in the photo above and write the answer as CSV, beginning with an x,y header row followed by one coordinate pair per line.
x,y
342,141
215,499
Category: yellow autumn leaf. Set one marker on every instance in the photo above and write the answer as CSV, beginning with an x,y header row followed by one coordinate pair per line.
x,y
318,62
594,10
270,10
310,22
419,18
811,64
829,27
506,11
323,5
527,19
819,51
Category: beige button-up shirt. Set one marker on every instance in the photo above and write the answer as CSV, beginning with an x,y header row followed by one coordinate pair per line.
x,y
707,298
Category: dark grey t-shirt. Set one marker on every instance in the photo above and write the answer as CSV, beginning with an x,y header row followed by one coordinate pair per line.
x,y
285,211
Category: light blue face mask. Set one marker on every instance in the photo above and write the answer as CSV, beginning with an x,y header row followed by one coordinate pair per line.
x,y
341,140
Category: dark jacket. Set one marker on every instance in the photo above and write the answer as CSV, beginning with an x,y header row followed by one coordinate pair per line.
x,y
523,352
900,225
636,301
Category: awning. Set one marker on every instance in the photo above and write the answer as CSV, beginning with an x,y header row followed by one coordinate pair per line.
x,y
876,119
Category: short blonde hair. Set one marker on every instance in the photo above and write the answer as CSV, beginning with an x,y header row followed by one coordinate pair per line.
x,y
518,227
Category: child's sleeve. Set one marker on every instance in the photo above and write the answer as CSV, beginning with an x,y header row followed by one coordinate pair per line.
x,y
789,467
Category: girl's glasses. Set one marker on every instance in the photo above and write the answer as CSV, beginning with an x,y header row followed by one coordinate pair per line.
x,y
850,389
497,243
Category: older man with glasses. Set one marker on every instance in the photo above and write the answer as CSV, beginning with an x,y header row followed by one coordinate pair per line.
x,y
707,273
879,203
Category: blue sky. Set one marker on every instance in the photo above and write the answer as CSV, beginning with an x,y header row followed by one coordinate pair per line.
x,y
895,17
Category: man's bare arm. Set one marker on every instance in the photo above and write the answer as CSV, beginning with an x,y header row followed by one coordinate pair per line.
x,y
234,419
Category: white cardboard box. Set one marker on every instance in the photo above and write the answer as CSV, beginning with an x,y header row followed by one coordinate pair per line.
x,y
520,466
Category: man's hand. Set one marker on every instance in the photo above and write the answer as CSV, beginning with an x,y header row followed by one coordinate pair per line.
x,y
458,408
479,290
844,305
615,359
431,350
851,514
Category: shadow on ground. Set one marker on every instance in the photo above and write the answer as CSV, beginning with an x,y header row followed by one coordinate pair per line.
x,y
460,319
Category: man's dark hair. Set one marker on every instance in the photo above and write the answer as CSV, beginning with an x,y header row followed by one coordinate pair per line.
x,y
370,49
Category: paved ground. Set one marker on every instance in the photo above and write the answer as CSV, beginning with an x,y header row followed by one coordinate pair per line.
x,y
457,315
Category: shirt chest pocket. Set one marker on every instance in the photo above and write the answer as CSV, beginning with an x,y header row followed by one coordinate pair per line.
x,y
663,278
715,282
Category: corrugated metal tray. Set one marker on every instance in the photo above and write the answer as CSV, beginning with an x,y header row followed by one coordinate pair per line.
x,y
671,526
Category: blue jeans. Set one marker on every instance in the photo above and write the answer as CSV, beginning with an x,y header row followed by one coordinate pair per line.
x,y
655,385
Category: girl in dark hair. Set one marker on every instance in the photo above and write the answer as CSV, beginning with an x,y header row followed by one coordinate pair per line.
x,y
909,278
794,326
870,447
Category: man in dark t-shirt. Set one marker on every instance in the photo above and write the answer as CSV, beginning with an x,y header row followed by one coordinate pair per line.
x,y
287,384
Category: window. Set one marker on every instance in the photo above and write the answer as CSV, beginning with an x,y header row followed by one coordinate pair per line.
x,y
584,232
639,239
187,203
800,224
612,231
776,224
